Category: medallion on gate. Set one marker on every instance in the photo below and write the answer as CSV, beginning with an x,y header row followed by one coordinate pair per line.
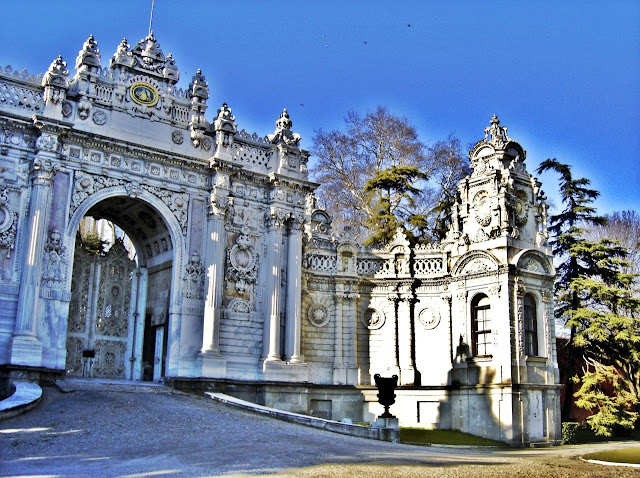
x,y
143,94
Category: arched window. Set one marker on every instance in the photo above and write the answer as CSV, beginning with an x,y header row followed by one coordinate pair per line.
x,y
530,326
481,331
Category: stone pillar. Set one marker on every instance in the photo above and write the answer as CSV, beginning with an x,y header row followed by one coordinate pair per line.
x,y
350,327
273,280
404,305
294,293
26,348
214,280
213,364
339,372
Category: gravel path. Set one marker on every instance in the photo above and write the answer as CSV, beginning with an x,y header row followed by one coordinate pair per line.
x,y
165,433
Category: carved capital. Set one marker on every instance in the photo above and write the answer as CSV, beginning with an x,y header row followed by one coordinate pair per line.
x,y
218,204
276,218
43,171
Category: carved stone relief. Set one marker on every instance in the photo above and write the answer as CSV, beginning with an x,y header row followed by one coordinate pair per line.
x,y
318,315
8,224
242,263
373,319
429,318
55,262
194,278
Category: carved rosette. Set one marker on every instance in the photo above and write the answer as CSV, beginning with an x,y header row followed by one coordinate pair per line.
x,y
429,318
373,319
318,315
8,224
242,263
194,278
55,262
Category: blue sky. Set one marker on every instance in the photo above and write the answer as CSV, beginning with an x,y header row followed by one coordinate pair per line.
x,y
564,77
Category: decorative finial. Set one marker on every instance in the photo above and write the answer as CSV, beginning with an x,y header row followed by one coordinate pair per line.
x,y
498,134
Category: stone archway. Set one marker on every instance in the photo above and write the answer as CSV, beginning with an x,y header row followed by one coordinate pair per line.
x,y
119,311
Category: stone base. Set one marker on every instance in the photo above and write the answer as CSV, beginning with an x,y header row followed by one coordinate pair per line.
x,y
213,365
393,423
279,371
25,350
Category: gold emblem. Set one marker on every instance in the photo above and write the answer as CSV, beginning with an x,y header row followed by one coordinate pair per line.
x,y
143,94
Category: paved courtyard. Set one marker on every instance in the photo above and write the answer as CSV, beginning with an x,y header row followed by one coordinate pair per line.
x,y
157,432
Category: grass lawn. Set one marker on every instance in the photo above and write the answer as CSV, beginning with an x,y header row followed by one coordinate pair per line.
x,y
626,455
444,437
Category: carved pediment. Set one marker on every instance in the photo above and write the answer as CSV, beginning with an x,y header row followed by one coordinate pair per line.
x,y
475,262
534,261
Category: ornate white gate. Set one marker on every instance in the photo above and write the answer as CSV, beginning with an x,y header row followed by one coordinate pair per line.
x,y
100,330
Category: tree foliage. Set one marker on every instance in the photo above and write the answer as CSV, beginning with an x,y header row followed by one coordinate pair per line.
x,y
371,147
608,335
624,227
597,299
567,230
395,182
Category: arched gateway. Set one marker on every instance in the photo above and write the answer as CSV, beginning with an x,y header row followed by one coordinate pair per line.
x,y
240,280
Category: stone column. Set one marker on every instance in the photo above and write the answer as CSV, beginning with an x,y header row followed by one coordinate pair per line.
x,y
350,327
294,293
404,304
271,342
339,372
213,364
26,348
214,280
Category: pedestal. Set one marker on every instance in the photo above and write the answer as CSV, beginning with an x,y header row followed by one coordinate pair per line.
x,y
392,422
26,350
213,365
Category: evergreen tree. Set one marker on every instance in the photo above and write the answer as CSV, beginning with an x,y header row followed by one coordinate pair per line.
x,y
571,248
607,332
388,215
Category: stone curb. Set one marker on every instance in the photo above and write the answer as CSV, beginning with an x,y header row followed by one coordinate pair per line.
x,y
108,385
25,396
610,463
383,434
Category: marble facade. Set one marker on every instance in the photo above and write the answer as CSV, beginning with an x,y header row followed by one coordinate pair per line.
x,y
240,283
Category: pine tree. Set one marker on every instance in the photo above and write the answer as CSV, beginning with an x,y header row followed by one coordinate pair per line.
x,y
607,332
389,215
570,247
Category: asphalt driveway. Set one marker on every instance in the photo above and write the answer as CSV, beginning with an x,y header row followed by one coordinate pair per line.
x,y
158,432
